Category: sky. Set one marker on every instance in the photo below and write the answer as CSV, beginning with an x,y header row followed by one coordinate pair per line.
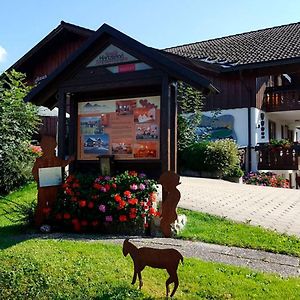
x,y
156,23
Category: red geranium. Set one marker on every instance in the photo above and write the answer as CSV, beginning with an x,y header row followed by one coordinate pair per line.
x,y
91,204
82,203
122,218
97,186
121,205
118,197
127,194
152,211
133,201
67,216
132,216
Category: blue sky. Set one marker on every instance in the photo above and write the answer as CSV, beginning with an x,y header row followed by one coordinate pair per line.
x,y
156,23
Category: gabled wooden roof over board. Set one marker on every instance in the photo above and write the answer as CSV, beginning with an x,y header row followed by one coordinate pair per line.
x,y
51,51
180,70
276,45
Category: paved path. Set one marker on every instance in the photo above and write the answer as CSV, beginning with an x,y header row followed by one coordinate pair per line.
x,y
273,208
282,265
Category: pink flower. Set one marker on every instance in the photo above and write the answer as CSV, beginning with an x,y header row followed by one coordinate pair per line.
x,y
142,186
108,218
102,208
133,187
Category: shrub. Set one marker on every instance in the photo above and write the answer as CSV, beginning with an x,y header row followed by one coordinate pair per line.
x,y
219,156
101,203
266,179
18,122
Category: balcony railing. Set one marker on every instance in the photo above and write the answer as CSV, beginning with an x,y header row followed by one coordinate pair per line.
x,y
277,158
281,99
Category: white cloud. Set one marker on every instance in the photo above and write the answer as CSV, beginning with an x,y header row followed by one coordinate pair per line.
x,y
3,54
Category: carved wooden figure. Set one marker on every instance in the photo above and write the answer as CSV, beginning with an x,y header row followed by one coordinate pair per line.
x,y
156,258
169,181
46,194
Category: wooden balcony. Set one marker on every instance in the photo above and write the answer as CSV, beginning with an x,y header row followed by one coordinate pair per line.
x,y
281,99
277,158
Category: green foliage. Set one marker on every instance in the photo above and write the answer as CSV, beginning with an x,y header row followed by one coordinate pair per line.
x,y
222,155
18,122
219,156
190,103
280,143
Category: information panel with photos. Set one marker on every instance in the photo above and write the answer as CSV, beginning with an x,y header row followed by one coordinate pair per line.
x,y
127,128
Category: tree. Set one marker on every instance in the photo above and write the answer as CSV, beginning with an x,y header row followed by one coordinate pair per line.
x,y
18,122
190,103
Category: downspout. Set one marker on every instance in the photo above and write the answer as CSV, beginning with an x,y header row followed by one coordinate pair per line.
x,y
249,121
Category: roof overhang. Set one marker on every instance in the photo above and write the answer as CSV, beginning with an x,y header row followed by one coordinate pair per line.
x,y
174,69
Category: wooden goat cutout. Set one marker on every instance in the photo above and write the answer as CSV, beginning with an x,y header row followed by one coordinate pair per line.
x,y
169,181
156,258
47,193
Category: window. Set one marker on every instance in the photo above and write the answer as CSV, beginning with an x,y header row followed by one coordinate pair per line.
x,y
272,130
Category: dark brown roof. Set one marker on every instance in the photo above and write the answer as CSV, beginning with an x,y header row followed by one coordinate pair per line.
x,y
63,30
265,45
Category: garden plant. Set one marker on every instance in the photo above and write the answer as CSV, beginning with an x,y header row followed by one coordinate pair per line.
x,y
125,202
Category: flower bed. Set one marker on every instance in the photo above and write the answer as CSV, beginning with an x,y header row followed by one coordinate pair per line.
x,y
266,179
124,203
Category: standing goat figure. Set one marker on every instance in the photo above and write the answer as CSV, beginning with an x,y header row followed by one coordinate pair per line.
x,y
156,258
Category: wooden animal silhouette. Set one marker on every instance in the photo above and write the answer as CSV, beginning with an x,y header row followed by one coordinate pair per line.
x,y
169,180
156,258
46,195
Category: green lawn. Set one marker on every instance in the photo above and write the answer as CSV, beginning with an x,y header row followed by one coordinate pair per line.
x,y
63,269
55,269
218,230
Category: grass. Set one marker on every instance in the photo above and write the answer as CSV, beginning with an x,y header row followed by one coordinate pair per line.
x,y
218,230
56,269
64,269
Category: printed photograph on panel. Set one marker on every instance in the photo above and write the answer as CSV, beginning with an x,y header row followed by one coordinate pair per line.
x,y
123,147
147,131
96,144
125,107
144,115
143,150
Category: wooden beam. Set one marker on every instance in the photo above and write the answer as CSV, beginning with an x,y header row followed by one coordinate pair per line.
x,y
165,125
173,127
61,124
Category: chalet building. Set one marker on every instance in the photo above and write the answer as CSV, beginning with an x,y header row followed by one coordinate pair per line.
x,y
257,74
